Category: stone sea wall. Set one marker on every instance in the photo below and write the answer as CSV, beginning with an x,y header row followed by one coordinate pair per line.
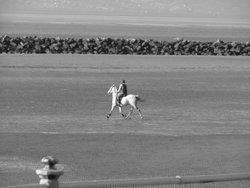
x,y
121,46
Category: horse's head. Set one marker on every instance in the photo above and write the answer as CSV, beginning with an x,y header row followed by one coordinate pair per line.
x,y
112,89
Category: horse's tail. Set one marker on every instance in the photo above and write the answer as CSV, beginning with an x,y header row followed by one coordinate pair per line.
x,y
138,98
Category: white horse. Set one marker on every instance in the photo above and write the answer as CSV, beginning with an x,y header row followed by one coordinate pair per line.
x,y
128,100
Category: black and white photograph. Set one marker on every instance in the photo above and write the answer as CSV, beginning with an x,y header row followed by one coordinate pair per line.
x,y
124,93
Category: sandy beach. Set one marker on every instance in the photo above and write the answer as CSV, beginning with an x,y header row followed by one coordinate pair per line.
x,y
196,116
196,108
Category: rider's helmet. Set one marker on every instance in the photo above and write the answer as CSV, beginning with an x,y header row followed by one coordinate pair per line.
x,y
123,82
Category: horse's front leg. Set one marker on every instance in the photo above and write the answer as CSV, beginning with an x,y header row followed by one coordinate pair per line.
x,y
110,113
120,110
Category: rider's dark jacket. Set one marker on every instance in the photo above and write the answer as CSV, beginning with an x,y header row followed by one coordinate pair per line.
x,y
124,90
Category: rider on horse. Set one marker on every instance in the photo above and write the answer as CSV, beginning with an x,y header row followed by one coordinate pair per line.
x,y
122,91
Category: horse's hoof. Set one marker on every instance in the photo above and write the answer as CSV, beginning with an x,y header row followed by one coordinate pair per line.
x,y
127,117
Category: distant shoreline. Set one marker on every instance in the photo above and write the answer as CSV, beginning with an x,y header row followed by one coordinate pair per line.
x,y
71,18
93,30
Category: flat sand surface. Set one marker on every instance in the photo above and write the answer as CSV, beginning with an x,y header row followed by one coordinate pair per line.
x,y
196,109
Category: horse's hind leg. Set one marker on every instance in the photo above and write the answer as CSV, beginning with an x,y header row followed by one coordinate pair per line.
x,y
138,109
130,112
140,112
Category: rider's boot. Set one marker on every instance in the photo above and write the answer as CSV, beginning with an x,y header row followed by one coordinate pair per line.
x,y
119,101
